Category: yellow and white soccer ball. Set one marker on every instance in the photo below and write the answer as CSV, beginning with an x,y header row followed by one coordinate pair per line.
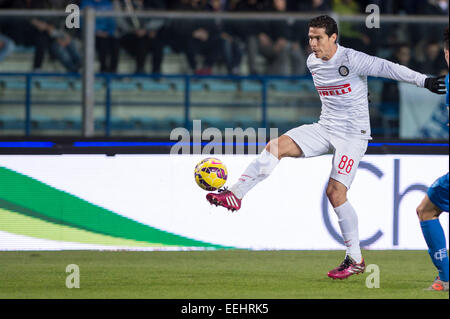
x,y
210,174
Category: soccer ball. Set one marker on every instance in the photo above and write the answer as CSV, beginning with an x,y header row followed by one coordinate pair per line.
x,y
210,174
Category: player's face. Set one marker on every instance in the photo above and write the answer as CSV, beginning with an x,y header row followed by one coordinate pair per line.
x,y
321,44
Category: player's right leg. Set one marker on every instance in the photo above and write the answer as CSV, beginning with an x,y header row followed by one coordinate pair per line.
x,y
428,211
303,141
258,170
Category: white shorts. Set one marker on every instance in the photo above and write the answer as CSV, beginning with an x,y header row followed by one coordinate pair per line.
x,y
315,139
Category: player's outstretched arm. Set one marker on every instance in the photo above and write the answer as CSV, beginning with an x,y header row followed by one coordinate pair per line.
x,y
436,84
368,65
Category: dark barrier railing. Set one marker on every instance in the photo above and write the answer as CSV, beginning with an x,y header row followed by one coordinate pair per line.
x,y
263,79
28,90
187,91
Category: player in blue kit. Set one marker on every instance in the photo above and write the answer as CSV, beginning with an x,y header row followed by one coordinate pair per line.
x,y
434,203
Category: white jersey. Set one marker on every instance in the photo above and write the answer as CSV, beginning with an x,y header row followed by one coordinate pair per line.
x,y
342,86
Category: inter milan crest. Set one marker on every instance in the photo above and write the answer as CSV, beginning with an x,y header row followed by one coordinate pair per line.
x,y
343,70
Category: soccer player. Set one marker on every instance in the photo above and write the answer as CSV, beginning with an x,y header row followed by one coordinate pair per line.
x,y
428,211
340,76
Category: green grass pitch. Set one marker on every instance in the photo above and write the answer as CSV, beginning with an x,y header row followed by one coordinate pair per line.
x,y
219,274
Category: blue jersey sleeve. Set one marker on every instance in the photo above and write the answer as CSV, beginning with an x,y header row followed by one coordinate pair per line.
x,y
446,84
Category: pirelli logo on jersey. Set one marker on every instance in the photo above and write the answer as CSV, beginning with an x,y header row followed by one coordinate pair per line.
x,y
334,90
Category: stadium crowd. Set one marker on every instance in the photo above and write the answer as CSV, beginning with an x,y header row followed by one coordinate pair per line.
x,y
216,46
282,47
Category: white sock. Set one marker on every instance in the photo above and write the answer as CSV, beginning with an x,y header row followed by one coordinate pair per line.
x,y
257,171
348,222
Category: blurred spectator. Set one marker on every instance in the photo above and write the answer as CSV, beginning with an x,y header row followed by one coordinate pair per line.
x,y
205,40
434,7
64,50
194,37
249,30
231,5
429,7
106,42
61,4
390,96
177,33
230,51
314,6
34,32
63,47
379,41
300,27
173,33
410,7
46,34
350,34
198,5
272,42
434,62
6,47
141,36
251,5
386,6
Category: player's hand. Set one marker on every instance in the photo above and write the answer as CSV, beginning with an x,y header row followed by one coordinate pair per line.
x,y
436,85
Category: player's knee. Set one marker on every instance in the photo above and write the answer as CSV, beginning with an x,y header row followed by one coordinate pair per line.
x,y
332,196
424,214
419,212
283,146
273,147
427,210
336,196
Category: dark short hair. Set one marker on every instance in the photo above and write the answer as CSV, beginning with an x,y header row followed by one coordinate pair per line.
x,y
325,22
446,38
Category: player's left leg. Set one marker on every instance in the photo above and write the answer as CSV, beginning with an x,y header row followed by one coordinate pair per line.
x,y
428,211
347,218
346,159
348,224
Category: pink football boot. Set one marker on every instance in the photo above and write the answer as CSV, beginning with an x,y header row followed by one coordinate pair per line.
x,y
224,198
347,268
